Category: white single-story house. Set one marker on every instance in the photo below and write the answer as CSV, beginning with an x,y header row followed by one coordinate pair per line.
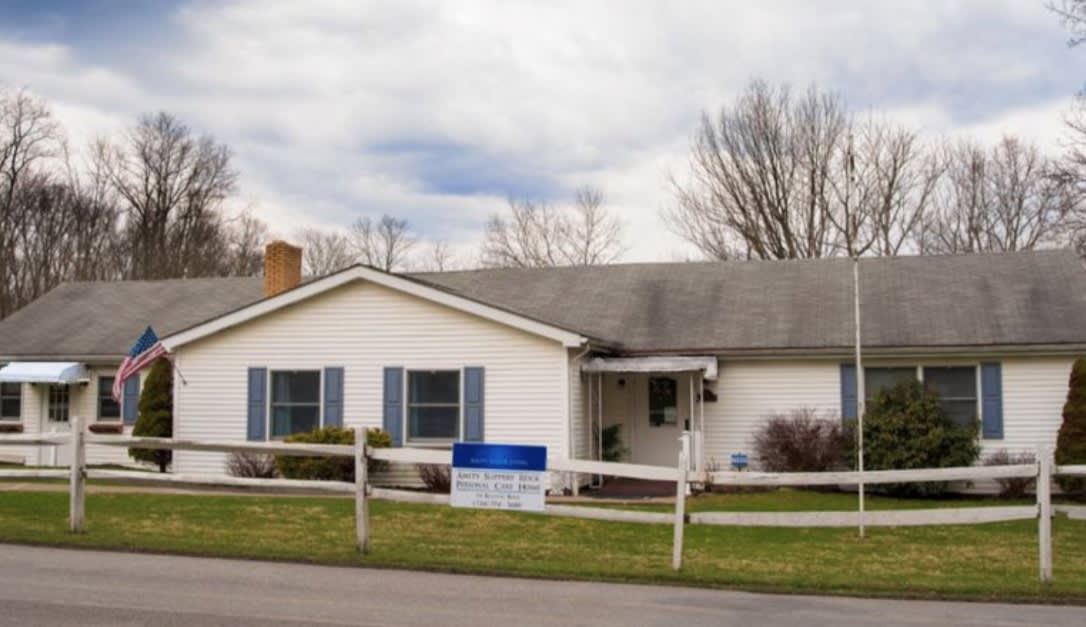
x,y
552,356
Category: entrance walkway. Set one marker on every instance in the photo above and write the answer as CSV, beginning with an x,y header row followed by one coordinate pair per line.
x,y
619,487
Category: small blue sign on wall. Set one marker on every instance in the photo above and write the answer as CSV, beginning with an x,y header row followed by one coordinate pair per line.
x,y
498,476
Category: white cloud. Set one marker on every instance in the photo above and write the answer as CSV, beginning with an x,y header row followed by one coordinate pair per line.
x,y
436,111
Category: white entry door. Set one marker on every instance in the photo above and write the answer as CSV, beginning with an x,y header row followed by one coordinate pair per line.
x,y
57,419
660,419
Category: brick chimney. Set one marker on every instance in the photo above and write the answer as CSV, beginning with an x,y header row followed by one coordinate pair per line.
x,y
282,267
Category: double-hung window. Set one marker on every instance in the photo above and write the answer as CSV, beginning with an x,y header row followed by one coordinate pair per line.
x,y
878,379
108,409
957,387
433,405
11,401
295,402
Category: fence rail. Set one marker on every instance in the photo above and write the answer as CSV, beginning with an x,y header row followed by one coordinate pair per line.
x,y
1043,471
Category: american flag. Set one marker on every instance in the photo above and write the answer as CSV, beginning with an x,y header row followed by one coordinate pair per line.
x,y
144,352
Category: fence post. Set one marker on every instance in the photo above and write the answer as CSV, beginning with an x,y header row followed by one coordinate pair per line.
x,y
361,508
1044,510
680,505
77,477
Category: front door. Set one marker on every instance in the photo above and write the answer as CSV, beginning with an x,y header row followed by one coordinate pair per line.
x,y
661,422
57,409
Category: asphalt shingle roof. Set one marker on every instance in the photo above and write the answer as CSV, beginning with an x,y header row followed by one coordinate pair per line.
x,y
953,301
105,318
1031,298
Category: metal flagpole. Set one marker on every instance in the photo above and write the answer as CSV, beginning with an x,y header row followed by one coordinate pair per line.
x,y
860,391
850,165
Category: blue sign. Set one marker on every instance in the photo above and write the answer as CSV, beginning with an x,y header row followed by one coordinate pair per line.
x,y
511,457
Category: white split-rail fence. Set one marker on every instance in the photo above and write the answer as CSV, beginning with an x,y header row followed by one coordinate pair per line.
x,y
1042,470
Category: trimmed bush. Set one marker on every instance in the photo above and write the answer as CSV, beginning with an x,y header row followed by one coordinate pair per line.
x,y
1012,487
1071,441
251,465
329,468
905,427
801,441
155,419
436,477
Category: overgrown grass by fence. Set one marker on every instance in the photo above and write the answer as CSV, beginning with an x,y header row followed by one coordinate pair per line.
x,y
1042,471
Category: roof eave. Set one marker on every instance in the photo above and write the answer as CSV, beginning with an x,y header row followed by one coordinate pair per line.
x,y
1070,348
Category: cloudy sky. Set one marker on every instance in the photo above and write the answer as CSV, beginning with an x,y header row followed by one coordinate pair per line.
x,y
438,111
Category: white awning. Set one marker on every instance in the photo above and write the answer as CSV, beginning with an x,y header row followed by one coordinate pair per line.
x,y
44,372
652,364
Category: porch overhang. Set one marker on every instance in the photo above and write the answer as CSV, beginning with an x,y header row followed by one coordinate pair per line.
x,y
652,364
58,372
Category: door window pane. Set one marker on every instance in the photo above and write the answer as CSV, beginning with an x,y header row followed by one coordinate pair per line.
x,y
663,401
295,402
58,403
11,401
108,409
433,405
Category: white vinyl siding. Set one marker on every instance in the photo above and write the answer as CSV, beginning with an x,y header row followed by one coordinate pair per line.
x,y
364,327
1034,391
578,416
749,391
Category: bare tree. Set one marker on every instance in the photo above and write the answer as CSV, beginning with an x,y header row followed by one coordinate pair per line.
x,y
762,178
29,138
324,252
595,235
438,258
530,237
538,235
245,236
896,187
383,244
1007,198
1073,15
172,185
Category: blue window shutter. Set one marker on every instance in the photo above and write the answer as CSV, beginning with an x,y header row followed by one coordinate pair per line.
x,y
333,397
392,418
473,404
130,399
991,386
258,385
848,391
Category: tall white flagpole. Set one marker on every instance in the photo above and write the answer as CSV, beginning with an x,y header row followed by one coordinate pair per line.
x,y
860,391
850,165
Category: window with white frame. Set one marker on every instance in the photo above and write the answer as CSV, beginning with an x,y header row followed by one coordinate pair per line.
x,y
108,409
956,386
11,401
59,403
295,402
433,405
878,379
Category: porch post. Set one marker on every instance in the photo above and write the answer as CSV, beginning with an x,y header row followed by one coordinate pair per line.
x,y
699,449
693,431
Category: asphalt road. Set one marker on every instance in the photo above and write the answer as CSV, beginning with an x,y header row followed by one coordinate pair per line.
x,y
40,586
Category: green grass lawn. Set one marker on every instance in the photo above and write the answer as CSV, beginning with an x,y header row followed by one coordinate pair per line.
x,y
993,561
